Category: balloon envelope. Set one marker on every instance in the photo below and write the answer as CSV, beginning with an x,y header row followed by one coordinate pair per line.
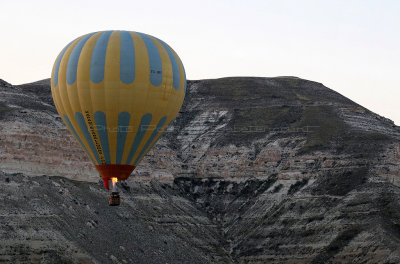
x,y
117,91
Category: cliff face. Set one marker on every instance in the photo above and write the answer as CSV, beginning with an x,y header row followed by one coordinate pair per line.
x,y
254,170
33,139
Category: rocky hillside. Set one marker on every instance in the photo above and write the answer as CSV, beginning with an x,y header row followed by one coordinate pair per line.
x,y
254,170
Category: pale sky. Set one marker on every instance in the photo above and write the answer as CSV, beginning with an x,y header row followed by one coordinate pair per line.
x,y
351,46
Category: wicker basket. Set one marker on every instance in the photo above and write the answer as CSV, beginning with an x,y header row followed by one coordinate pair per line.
x,y
114,199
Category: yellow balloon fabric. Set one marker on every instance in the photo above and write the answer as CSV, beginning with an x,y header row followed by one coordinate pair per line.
x,y
117,91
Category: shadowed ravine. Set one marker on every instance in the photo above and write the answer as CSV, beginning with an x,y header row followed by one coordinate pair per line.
x,y
254,170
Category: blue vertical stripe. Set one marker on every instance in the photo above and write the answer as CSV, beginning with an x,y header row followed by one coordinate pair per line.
x,y
97,64
76,136
144,123
85,131
154,59
175,67
150,140
123,123
57,67
101,124
72,67
127,63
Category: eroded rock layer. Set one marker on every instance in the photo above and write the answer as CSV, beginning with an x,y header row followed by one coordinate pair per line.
x,y
253,170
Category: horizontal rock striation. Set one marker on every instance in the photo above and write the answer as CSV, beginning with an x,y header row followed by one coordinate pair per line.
x,y
33,139
253,170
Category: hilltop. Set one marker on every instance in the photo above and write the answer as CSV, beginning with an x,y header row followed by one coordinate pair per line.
x,y
253,170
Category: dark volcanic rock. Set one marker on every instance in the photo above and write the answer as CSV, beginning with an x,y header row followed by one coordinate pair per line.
x,y
253,170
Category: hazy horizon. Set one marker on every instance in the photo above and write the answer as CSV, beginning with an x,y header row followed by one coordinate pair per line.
x,y
352,47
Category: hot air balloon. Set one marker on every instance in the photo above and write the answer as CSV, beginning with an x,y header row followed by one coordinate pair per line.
x,y
117,91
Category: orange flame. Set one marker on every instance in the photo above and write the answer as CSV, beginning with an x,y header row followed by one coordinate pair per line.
x,y
114,181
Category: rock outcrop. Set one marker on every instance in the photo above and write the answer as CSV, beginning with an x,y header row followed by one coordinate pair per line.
x,y
253,170
33,139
